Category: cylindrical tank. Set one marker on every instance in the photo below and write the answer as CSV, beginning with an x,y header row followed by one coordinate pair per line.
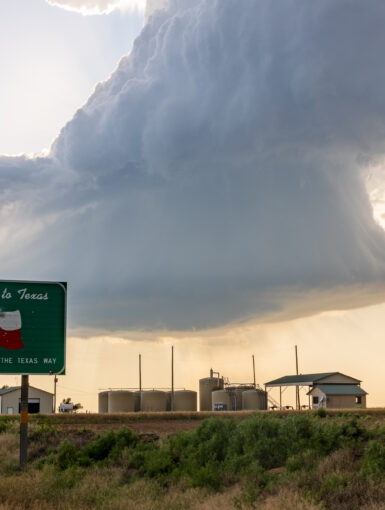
x,y
184,400
103,402
206,386
254,400
221,400
236,393
154,400
168,404
137,400
121,402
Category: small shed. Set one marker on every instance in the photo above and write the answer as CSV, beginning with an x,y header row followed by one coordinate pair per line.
x,y
337,396
39,401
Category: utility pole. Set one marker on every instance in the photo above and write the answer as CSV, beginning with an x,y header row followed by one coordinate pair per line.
x,y
172,378
298,404
140,382
254,372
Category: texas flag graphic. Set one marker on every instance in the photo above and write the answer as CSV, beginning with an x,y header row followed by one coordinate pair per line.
x,y
10,326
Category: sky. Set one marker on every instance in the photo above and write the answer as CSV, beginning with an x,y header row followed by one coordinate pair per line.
x,y
206,174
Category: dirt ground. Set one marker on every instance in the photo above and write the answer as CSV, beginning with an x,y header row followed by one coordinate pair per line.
x,y
161,428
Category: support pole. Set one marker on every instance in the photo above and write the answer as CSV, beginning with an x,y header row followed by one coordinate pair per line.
x,y
296,388
24,421
254,372
54,394
280,397
140,382
172,378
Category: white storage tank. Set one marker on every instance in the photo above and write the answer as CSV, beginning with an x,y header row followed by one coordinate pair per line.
x,y
206,386
221,400
103,402
236,393
121,401
185,400
168,405
153,401
137,400
254,400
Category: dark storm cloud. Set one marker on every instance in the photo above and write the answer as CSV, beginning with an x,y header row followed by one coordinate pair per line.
x,y
219,173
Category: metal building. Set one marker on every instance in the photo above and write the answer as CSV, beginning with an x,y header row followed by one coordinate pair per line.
x,y
39,401
328,389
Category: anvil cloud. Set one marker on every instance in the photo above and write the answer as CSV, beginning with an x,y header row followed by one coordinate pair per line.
x,y
218,174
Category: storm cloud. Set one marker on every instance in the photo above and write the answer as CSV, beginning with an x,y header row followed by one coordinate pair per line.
x,y
107,6
218,174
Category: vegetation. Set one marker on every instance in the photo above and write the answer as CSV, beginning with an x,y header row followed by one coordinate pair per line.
x,y
68,402
267,461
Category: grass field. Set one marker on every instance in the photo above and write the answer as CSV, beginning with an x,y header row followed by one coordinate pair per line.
x,y
268,460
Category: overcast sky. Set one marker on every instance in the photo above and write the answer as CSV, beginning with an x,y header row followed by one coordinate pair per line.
x,y
227,172
218,174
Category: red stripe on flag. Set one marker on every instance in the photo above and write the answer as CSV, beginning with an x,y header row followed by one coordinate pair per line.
x,y
11,340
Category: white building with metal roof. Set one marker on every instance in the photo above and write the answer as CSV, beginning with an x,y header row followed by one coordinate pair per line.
x,y
332,390
39,401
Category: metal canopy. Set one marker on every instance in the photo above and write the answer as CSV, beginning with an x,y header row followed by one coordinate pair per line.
x,y
299,380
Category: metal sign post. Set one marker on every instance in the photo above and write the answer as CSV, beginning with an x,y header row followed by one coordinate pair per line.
x,y
24,421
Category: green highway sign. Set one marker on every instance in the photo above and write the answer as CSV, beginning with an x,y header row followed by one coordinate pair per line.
x,y
32,327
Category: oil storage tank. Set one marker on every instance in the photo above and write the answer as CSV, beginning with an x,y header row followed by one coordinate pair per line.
x,y
206,386
185,400
137,400
236,393
154,400
221,400
254,400
121,401
103,402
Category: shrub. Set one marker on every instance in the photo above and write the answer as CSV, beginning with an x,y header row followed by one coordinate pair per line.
x,y
67,455
373,464
110,446
321,412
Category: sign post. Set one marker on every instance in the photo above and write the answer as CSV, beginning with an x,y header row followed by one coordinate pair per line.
x,y
32,337
24,421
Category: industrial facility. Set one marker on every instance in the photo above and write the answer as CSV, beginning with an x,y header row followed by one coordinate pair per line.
x,y
332,390
217,394
151,400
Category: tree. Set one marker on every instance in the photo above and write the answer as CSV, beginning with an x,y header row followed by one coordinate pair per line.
x,y
75,407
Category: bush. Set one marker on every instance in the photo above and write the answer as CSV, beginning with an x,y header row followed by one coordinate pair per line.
x,y
67,455
107,447
373,464
321,412
221,451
